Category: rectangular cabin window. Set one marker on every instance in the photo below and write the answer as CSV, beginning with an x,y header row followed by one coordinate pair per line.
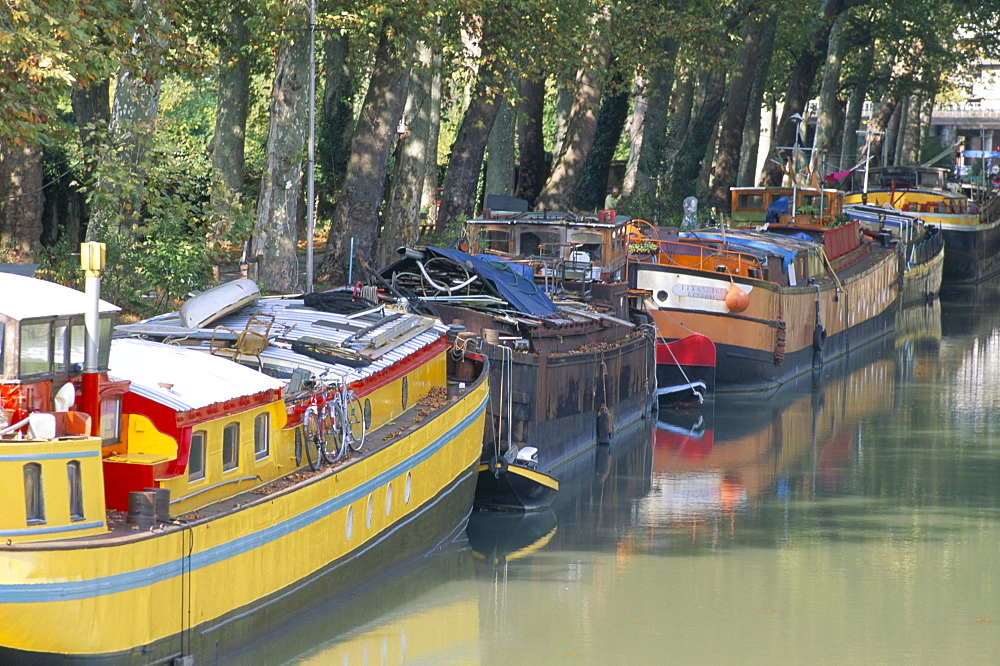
x,y
750,202
60,347
77,345
75,490
231,446
196,457
540,243
36,349
104,342
261,436
111,413
497,240
34,499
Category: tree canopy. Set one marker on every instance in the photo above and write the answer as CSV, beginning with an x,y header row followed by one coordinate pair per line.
x,y
178,131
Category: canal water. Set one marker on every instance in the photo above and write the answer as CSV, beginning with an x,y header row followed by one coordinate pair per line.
x,y
852,517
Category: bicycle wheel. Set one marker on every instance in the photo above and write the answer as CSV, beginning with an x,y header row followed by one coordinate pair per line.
x,y
354,423
311,440
331,443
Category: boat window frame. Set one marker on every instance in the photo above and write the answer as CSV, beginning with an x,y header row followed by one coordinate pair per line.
x,y
493,239
199,442
22,339
231,446
111,420
74,479
262,436
34,494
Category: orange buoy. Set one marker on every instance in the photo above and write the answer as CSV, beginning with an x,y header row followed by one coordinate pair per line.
x,y
737,300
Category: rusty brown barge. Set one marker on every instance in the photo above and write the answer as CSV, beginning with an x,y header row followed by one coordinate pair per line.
x,y
566,373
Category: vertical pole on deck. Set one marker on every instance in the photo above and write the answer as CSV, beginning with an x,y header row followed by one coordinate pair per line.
x,y
311,171
92,260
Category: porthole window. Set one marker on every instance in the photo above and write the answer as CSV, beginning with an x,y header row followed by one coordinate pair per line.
x,y
34,500
350,522
661,295
368,514
406,391
406,488
231,447
75,490
368,414
388,499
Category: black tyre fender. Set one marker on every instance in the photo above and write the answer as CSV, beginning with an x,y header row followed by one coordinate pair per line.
x,y
498,465
819,337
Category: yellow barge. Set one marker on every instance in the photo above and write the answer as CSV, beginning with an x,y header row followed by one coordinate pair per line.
x,y
163,502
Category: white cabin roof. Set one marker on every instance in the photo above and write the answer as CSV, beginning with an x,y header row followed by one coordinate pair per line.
x,y
183,379
30,298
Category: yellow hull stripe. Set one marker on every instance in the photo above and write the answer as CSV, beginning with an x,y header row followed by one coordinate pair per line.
x,y
250,553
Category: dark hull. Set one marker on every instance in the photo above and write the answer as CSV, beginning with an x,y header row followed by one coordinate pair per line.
x,y
563,404
224,637
741,369
513,488
971,256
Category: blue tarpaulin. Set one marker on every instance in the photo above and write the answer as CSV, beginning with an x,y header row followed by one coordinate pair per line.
x,y
506,279
777,207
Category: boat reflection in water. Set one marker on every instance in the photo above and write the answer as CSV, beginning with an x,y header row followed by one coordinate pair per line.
x,y
425,613
596,488
711,470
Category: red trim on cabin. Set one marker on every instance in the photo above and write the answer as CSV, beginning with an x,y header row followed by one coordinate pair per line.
x,y
221,409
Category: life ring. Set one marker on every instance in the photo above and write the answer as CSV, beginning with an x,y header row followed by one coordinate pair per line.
x,y
819,337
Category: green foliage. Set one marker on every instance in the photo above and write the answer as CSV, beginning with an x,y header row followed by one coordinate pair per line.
x,y
643,247
160,245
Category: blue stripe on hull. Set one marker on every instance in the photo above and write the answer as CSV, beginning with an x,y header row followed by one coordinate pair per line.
x,y
62,591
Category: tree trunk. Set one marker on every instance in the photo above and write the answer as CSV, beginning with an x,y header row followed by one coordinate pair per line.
x,y
402,211
562,112
648,126
229,142
909,152
335,125
133,116
884,102
800,84
530,142
681,109
429,198
356,218
461,182
828,113
735,114
859,86
92,110
22,201
688,163
499,177
275,238
559,192
891,147
747,173
610,124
